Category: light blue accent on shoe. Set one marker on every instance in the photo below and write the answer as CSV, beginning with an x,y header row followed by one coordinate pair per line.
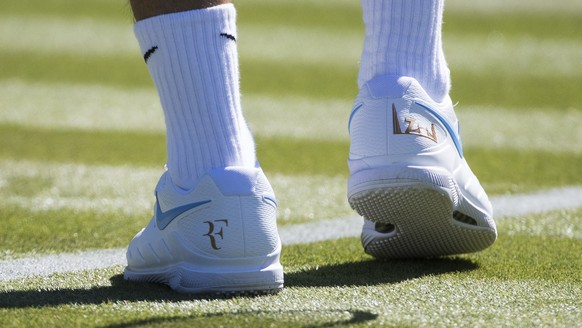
x,y
164,218
357,108
450,129
270,199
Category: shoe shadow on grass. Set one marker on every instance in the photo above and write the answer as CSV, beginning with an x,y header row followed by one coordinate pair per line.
x,y
124,291
375,272
119,290
366,272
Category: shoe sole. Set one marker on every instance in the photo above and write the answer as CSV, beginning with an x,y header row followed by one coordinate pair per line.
x,y
417,205
184,279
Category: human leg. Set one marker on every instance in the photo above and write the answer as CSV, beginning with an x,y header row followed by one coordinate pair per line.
x,y
409,178
143,9
214,224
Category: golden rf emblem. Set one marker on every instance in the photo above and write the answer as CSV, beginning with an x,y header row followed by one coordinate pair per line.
x,y
413,127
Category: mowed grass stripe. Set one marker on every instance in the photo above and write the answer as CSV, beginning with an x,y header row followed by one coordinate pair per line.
x,y
500,7
121,72
96,230
521,54
306,80
540,214
128,190
149,149
518,56
58,35
95,107
480,58
501,170
66,229
258,76
305,13
105,10
537,18
538,24
35,192
516,92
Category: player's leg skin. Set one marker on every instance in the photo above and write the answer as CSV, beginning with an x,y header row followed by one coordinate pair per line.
x,y
408,174
214,224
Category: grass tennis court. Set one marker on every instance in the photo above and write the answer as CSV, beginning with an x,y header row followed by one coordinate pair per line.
x,y
82,145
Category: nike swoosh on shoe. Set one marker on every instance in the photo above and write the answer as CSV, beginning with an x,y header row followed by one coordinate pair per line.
x,y
454,134
165,218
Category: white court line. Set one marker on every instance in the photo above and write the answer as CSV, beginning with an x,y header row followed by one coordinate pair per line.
x,y
505,206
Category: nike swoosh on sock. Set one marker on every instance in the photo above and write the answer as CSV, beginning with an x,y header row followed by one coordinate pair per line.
x,y
149,53
228,36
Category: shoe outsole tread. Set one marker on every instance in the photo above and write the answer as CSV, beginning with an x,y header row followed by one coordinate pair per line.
x,y
423,221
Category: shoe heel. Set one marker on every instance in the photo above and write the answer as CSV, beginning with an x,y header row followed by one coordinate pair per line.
x,y
401,178
266,281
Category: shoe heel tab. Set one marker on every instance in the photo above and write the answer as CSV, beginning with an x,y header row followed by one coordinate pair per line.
x,y
236,180
163,181
392,86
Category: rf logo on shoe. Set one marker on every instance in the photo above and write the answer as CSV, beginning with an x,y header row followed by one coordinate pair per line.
x,y
212,234
413,127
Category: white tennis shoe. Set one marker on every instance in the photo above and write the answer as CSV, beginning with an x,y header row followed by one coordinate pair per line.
x,y
221,237
409,178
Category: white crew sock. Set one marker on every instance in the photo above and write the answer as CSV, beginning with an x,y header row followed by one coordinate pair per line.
x,y
192,57
403,37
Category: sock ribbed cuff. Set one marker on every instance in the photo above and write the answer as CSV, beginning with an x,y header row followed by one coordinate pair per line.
x,y
192,57
403,37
